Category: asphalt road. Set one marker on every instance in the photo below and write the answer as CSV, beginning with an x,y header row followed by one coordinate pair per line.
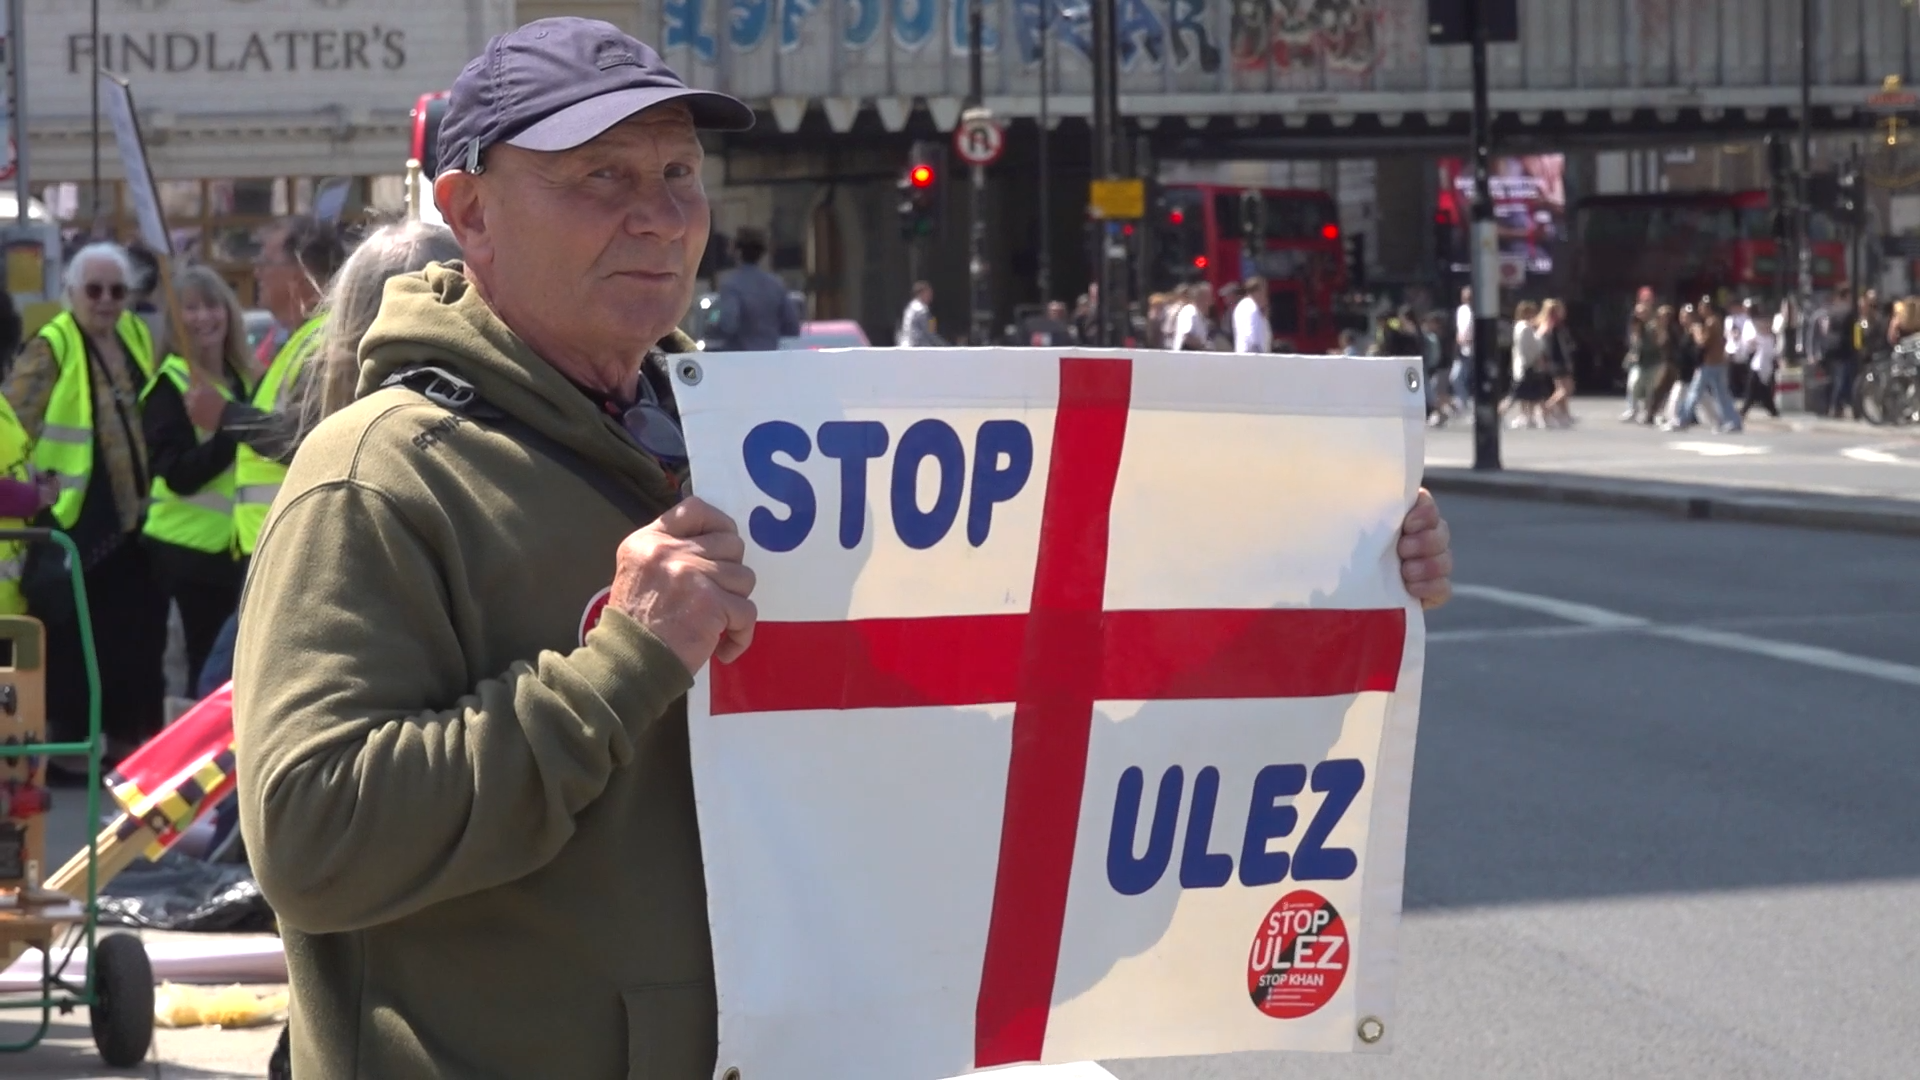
x,y
1662,819
1797,451
1663,811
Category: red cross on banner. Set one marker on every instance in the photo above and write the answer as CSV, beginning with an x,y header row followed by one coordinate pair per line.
x,y
1054,663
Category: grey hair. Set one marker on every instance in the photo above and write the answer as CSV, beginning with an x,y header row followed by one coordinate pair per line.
x,y
76,272
352,302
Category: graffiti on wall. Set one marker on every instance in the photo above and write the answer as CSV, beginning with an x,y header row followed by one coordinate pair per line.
x,y
1294,34
1152,34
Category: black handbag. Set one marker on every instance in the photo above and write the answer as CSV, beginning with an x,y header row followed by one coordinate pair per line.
x,y
46,580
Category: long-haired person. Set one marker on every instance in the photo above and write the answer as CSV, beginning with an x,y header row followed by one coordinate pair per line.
x,y
354,299
76,390
190,530
351,301
1557,343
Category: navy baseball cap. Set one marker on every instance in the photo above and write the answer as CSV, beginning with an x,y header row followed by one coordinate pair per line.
x,y
555,84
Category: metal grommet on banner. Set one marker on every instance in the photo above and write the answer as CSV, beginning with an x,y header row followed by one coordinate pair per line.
x,y
731,1073
1372,1030
688,369
1413,379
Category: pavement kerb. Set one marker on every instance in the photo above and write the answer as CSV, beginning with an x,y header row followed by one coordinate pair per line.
x,y
1770,506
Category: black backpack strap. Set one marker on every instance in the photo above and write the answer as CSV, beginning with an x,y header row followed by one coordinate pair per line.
x,y
457,395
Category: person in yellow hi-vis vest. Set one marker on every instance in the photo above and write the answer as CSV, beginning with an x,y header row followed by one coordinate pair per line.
x,y
76,390
298,257
23,493
190,530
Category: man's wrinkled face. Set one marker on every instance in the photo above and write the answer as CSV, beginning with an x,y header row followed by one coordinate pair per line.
x,y
597,246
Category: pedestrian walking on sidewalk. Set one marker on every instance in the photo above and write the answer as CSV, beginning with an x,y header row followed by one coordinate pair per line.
x,y
756,310
1710,380
1762,354
1642,358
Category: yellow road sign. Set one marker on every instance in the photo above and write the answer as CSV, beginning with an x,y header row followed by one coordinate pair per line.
x,y
1117,200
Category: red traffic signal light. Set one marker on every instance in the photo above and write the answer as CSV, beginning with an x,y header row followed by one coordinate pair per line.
x,y
921,176
1176,217
1199,262
1330,231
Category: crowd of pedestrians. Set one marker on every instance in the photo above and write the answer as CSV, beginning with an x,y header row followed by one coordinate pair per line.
x,y
159,453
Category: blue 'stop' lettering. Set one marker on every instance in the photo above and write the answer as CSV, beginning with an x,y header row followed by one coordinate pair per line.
x,y
1002,465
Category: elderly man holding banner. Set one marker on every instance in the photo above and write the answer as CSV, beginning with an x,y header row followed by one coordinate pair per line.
x,y
483,594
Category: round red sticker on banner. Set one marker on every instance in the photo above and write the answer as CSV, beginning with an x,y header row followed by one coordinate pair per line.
x,y
590,618
1299,958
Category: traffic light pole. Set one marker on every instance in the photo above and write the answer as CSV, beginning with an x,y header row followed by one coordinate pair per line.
x,y
1106,164
981,330
1803,233
1486,265
1045,274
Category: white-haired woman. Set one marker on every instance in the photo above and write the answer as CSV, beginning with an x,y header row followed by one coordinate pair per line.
x,y
190,530
76,390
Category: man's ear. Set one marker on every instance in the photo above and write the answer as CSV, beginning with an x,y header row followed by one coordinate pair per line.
x,y
458,195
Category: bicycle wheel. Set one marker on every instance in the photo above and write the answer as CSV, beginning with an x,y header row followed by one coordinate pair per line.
x,y
1902,399
1870,396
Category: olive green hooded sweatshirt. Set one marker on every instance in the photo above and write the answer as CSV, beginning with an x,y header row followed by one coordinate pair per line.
x,y
473,816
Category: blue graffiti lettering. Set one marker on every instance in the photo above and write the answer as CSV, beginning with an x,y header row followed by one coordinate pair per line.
x,y
913,22
793,15
683,29
747,22
864,24
1188,34
961,41
1140,34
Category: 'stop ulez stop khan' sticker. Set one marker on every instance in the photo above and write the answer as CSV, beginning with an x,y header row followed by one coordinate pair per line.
x,y
1299,957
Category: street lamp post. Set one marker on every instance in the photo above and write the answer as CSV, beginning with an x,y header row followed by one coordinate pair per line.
x,y
1486,263
1803,220
1045,274
981,330
1106,164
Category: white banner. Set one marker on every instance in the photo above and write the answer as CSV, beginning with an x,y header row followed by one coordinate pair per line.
x,y
1079,720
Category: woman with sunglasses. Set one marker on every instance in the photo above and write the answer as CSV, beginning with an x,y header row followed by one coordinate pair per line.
x,y
76,390
190,530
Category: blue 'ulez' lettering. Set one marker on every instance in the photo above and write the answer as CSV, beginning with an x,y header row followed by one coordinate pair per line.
x,y
853,443
992,481
779,483
1341,780
1131,876
927,439
1268,820
1200,868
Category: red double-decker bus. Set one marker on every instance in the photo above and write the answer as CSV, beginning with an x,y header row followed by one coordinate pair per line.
x,y
1689,244
1200,234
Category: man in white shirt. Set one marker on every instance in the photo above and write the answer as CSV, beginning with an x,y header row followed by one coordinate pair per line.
x,y
916,323
1252,332
1760,348
1191,327
1461,375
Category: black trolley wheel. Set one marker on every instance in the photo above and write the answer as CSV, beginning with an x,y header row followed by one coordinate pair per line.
x,y
122,1011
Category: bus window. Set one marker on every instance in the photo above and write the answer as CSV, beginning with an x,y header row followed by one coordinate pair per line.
x,y
1296,219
